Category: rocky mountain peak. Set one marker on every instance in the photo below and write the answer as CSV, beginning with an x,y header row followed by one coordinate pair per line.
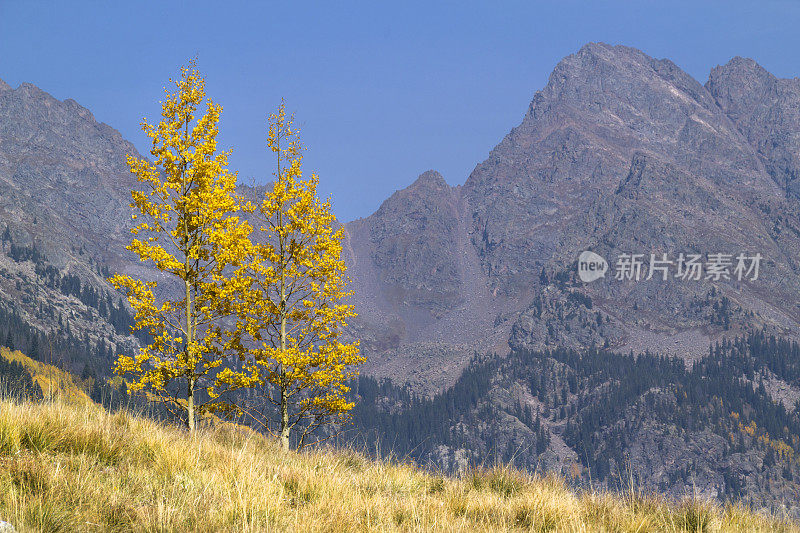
x,y
423,195
739,85
31,90
601,106
766,110
600,76
58,162
430,179
412,240
4,86
742,68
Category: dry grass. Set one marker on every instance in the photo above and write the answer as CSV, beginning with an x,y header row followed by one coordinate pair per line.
x,y
68,467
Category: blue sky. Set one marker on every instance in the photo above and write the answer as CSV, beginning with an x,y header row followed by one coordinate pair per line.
x,y
383,91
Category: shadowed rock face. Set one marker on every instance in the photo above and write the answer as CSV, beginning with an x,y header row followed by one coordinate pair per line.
x,y
423,300
413,241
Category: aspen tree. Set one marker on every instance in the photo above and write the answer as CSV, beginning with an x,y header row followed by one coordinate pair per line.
x,y
292,304
187,226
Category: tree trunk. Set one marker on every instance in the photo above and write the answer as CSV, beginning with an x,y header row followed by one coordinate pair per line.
x,y
189,340
190,333
190,406
284,422
284,400
284,407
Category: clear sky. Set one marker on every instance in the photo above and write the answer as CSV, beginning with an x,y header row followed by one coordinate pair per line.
x,y
383,91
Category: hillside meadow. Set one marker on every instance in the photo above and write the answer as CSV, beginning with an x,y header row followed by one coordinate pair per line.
x,y
72,466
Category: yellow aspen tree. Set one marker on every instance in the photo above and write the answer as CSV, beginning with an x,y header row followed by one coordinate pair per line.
x,y
186,224
292,305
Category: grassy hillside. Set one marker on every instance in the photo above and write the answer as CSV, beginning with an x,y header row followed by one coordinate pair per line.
x,y
52,380
76,467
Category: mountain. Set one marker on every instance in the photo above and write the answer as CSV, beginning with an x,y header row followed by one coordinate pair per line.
x,y
619,153
765,110
422,297
64,221
466,294
724,428
66,170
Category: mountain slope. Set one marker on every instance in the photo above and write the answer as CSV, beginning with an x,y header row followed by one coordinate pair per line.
x,y
50,380
61,167
66,467
766,110
64,221
619,153
720,428
423,300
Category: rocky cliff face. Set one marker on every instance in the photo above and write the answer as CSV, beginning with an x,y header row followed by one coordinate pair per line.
x,y
60,166
423,300
619,153
65,218
766,110
576,144
413,239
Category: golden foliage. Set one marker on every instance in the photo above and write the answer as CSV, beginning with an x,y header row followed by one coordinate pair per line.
x,y
783,451
291,302
54,382
284,290
188,228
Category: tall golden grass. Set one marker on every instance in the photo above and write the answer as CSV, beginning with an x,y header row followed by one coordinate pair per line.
x,y
75,467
